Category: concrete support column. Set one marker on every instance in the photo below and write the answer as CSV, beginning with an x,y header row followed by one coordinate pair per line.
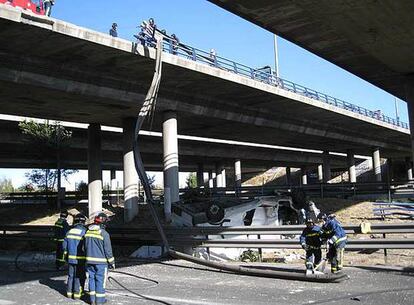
x,y
94,170
218,176
376,165
113,186
304,176
200,174
214,179
210,179
223,177
390,170
131,195
409,167
320,173
326,167
237,175
288,176
170,145
113,179
351,166
409,95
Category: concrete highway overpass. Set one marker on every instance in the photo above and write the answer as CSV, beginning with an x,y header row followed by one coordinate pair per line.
x,y
17,151
53,69
371,39
56,70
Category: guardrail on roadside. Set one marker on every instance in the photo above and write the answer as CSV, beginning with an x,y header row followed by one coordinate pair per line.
x,y
208,58
202,236
312,190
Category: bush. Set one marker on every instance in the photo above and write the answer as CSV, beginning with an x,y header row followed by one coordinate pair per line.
x,y
249,256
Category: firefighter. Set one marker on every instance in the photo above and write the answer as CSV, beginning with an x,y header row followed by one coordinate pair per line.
x,y
311,242
335,235
73,247
60,229
113,31
98,257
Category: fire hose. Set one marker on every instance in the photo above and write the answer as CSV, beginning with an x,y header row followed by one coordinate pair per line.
x,y
148,108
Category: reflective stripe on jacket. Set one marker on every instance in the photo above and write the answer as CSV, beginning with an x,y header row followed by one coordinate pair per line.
x,y
333,231
73,245
98,247
60,229
311,237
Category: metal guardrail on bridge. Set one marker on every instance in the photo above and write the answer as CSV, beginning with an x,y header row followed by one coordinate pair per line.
x,y
198,55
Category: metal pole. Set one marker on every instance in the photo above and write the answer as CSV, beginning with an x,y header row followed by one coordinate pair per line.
x,y
397,116
276,55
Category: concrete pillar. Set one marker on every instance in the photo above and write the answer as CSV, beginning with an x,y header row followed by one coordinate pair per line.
x,y
223,177
288,176
304,176
218,176
113,179
351,166
214,179
200,175
131,195
94,170
409,95
376,165
320,173
237,175
390,170
210,179
409,167
170,145
113,186
326,167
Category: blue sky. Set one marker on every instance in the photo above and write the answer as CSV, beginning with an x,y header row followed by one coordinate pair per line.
x,y
203,25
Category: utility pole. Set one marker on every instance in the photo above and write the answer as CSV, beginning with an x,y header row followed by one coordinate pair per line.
x,y
397,116
276,55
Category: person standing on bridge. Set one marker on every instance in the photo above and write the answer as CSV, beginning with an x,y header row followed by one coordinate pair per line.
x,y
113,32
73,249
174,44
311,242
60,229
47,6
99,256
333,232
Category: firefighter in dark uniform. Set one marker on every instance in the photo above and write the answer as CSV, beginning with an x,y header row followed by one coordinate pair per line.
x,y
60,229
333,232
98,258
311,242
73,247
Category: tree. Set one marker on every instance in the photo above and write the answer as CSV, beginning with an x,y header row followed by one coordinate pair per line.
x,y
45,179
49,140
191,181
6,186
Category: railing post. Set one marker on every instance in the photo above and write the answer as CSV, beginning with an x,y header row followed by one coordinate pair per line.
x,y
385,251
235,67
260,250
194,54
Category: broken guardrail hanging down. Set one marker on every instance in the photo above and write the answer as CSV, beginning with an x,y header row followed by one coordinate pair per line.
x,y
148,108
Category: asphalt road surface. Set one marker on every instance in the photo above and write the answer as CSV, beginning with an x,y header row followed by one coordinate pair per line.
x,y
181,283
